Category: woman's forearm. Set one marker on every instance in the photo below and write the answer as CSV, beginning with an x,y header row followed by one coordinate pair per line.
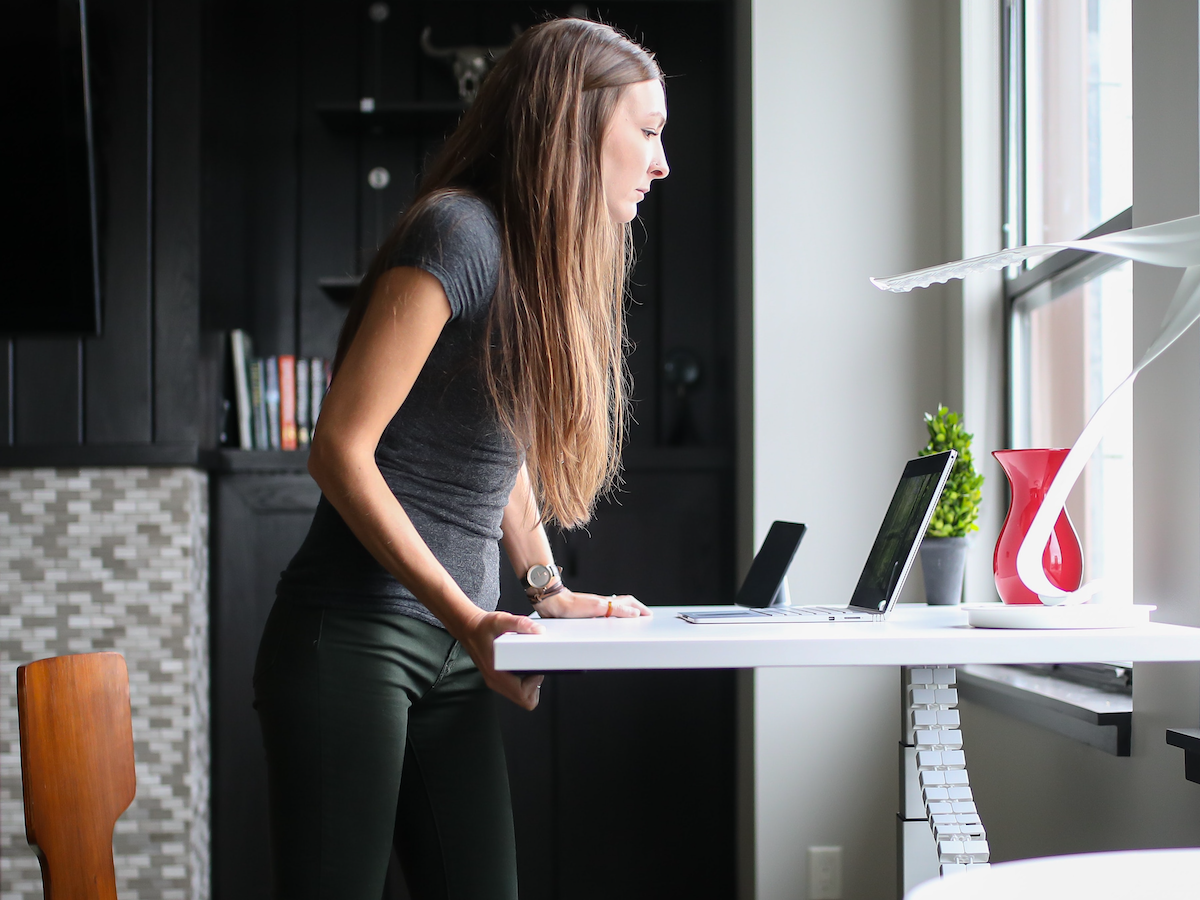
x,y
352,482
525,539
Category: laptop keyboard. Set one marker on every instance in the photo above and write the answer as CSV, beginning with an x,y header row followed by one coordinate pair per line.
x,y
815,613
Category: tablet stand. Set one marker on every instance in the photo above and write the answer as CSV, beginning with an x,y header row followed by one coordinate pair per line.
x,y
782,596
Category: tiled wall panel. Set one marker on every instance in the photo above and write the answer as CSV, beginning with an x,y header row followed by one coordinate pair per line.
x,y
115,559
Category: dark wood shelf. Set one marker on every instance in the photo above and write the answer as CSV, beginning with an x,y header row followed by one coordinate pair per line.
x,y
69,456
340,288
230,461
411,119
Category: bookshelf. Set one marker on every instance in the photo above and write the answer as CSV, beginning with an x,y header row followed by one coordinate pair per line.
x,y
272,402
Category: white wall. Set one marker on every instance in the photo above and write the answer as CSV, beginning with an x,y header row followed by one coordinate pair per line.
x,y
876,149
1040,794
976,312
849,173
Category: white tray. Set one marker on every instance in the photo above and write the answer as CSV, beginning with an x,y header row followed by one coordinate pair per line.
x,y
1036,616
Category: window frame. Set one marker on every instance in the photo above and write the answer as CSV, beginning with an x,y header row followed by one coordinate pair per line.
x,y
1066,269
1025,287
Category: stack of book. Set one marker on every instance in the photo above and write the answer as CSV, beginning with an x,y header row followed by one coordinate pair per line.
x,y
278,398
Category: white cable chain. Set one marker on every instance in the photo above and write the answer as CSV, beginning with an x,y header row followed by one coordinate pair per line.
x,y
942,769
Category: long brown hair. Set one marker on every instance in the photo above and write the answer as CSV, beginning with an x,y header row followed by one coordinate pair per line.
x,y
554,363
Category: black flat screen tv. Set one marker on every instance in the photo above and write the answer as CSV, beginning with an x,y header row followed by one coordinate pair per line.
x,y
49,258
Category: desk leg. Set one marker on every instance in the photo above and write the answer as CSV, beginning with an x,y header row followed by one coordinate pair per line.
x,y
938,828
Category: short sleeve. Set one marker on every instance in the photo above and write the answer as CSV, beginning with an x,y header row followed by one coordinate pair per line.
x,y
456,239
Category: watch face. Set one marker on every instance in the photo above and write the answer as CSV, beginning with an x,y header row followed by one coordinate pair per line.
x,y
539,576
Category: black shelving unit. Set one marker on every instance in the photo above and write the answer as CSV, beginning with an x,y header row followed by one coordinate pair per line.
x,y
429,119
391,119
340,288
230,461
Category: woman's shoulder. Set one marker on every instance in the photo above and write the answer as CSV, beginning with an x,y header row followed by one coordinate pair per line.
x,y
456,222
455,236
454,210
460,203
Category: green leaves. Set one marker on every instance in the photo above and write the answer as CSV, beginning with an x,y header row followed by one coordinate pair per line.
x,y
958,507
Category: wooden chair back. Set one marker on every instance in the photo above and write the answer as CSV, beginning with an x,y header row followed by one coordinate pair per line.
x,y
76,768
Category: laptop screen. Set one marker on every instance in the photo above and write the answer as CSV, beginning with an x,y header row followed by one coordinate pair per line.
x,y
899,536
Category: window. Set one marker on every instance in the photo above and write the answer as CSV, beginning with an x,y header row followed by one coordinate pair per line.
x,y
1069,173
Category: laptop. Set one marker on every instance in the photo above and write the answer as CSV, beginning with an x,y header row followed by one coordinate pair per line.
x,y
762,597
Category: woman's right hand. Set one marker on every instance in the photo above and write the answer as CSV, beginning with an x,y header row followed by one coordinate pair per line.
x,y
477,637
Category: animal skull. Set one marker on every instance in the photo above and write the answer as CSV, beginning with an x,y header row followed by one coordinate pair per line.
x,y
469,64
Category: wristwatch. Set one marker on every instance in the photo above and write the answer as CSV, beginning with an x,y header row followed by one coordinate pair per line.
x,y
542,581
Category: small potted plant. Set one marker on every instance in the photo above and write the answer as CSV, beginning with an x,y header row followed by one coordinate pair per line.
x,y
944,550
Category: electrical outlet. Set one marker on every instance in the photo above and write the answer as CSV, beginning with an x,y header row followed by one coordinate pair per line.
x,y
824,873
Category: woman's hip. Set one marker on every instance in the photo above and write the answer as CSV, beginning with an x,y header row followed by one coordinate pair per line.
x,y
382,654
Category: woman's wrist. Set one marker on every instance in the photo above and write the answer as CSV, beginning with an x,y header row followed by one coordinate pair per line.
x,y
552,606
553,590
454,609
541,581
571,605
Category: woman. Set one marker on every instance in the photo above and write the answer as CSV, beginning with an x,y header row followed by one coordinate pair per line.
x,y
479,388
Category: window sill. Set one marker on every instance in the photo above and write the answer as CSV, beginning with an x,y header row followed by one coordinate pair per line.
x,y
1100,719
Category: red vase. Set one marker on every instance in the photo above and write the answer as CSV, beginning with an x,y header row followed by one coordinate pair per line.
x,y
1029,475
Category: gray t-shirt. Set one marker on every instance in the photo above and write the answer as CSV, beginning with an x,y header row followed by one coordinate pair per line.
x,y
444,454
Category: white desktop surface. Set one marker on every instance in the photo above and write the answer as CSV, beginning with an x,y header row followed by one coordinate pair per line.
x,y
913,635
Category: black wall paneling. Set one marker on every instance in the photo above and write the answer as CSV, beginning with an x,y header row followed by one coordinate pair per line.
x,y
7,425
696,264
47,390
129,394
251,170
635,750
328,226
176,217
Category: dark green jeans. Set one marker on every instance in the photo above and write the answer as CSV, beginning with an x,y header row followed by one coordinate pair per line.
x,y
379,728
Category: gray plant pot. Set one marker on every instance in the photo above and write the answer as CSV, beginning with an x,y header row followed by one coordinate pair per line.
x,y
943,560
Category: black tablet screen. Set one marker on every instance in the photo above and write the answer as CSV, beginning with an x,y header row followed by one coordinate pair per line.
x,y
770,564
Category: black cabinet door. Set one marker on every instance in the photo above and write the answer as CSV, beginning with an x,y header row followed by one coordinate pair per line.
x,y
259,521
623,782
616,759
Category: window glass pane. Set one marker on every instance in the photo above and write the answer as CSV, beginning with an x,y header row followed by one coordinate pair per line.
x,y
1076,348
1078,115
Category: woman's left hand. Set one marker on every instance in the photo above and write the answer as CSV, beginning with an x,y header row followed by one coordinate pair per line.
x,y
568,604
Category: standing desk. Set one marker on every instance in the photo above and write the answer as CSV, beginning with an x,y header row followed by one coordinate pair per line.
x,y
938,828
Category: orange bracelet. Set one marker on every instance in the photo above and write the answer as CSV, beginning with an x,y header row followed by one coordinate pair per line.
x,y
609,613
